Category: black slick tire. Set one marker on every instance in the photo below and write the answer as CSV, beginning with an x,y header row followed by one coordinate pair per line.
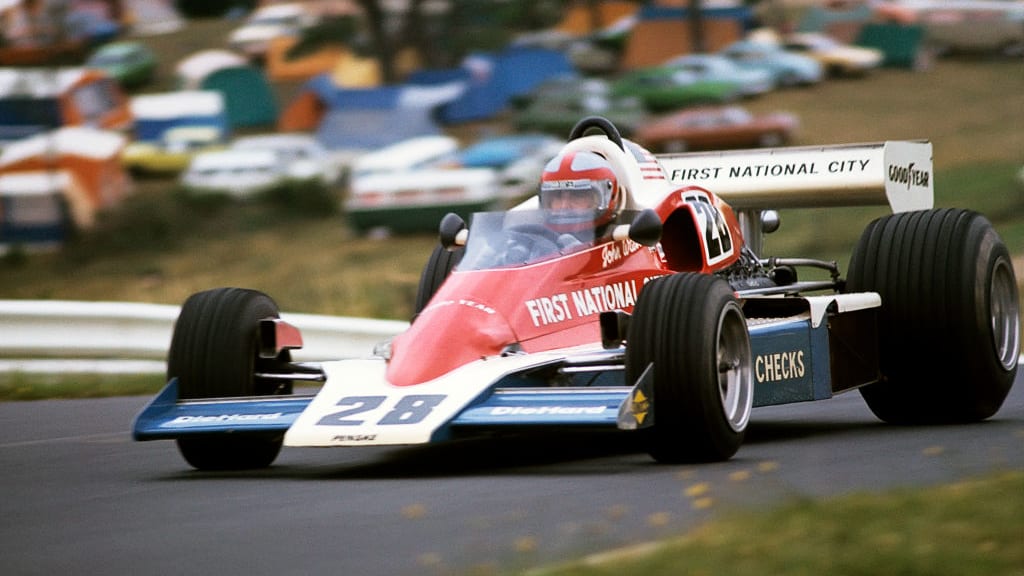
x,y
690,329
949,325
214,354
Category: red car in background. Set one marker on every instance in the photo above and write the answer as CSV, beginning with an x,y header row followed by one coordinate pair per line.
x,y
716,128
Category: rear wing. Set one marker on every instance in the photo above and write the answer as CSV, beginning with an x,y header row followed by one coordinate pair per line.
x,y
897,173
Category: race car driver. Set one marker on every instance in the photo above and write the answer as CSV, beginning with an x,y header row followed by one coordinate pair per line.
x,y
580,190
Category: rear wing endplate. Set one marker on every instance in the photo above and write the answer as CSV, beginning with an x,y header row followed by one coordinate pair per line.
x,y
897,173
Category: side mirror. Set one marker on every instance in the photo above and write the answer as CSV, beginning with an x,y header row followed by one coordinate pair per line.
x,y
645,229
769,221
453,231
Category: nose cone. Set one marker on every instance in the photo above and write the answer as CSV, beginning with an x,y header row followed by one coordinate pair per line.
x,y
446,335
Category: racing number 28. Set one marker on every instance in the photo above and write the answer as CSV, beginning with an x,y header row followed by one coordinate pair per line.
x,y
410,409
717,239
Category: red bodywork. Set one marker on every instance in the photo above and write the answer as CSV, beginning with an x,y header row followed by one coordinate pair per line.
x,y
555,303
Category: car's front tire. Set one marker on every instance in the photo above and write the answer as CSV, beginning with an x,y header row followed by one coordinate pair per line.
x,y
691,330
214,354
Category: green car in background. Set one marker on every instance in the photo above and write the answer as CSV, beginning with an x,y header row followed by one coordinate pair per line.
x,y
665,88
555,106
131,64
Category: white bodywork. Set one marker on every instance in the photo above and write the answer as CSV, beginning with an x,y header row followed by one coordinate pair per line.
x,y
358,407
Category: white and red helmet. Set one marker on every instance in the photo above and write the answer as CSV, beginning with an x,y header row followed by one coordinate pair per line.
x,y
579,189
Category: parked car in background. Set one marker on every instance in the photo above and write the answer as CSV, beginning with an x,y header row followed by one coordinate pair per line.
x,y
968,26
491,173
254,164
416,200
268,22
559,89
301,156
237,173
837,58
788,68
173,152
751,81
601,51
131,64
663,88
717,128
405,155
518,160
555,106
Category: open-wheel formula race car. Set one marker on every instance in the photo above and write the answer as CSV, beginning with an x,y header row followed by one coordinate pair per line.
x,y
649,310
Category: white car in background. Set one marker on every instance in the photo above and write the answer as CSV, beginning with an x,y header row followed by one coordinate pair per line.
x,y
301,155
254,164
237,173
408,154
490,173
837,58
268,22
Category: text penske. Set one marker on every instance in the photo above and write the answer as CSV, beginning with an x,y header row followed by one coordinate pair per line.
x,y
774,169
779,366
586,302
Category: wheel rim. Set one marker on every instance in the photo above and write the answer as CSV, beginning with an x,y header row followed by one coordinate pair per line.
x,y
735,376
1004,311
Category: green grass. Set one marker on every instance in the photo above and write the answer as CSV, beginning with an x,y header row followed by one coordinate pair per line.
x,y
26,386
973,527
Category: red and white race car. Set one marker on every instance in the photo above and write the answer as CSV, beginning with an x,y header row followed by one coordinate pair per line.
x,y
644,306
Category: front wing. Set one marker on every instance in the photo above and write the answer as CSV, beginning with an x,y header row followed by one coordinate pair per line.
x,y
358,407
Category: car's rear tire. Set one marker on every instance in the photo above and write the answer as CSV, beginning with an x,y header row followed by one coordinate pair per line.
x,y
214,354
435,272
691,328
949,325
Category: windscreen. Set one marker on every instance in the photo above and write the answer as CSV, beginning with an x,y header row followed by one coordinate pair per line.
x,y
521,237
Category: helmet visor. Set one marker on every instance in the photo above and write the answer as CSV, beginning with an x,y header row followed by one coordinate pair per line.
x,y
580,195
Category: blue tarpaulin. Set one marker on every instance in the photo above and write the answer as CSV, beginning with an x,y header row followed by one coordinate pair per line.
x,y
369,129
495,79
337,98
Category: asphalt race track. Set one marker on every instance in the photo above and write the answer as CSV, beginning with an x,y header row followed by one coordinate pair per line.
x,y
79,497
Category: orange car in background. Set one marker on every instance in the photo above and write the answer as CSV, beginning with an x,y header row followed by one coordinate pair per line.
x,y
715,128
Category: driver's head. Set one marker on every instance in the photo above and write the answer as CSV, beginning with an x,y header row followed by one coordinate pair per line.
x,y
580,190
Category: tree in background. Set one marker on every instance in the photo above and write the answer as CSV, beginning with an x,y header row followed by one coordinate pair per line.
x,y
441,34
